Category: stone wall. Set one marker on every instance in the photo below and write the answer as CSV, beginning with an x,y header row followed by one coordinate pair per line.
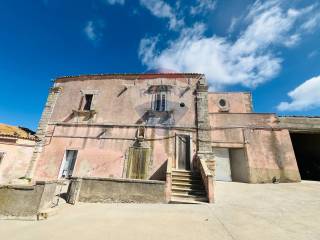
x,y
25,201
110,190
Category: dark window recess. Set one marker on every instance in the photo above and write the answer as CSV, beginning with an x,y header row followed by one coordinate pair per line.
x,y
163,102
160,102
88,102
182,104
1,156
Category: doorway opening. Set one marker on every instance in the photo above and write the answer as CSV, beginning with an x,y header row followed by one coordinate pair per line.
x,y
307,151
231,164
183,152
68,163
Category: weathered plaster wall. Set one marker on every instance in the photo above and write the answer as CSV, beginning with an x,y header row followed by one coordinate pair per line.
x,y
270,154
105,156
268,150
238,102
303,124
16,160
128,107
103,141
243,119
121,190
227,128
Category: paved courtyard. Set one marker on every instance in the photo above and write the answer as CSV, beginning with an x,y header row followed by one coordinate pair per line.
x,y
242,211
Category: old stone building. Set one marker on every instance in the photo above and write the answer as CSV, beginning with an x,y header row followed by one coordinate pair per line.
x,y
157,127
16,148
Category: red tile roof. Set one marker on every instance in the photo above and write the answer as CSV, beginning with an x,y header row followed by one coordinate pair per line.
x,y
15,132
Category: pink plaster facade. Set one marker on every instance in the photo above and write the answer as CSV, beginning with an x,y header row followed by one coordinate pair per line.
x,y
238,102
268,150
122,103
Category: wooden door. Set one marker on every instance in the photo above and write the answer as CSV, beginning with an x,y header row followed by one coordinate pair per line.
x,y
183,152
138,163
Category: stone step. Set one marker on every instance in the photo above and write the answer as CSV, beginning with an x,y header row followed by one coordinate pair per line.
x,y
186,184
181,173
187,189
191,181
188,200
181,170
188,195
185,174
195,177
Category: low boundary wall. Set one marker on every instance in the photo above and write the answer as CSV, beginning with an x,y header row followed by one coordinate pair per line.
x,y
26,201
112,190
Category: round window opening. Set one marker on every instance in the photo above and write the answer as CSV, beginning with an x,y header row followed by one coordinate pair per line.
x,y
222,102
182,104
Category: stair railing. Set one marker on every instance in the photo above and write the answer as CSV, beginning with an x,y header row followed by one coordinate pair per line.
x,y
207,178
168,179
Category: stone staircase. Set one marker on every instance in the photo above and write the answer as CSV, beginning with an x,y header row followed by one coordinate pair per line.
x,y
187,187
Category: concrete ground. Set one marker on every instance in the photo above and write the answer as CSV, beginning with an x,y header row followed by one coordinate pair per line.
x,y
242,211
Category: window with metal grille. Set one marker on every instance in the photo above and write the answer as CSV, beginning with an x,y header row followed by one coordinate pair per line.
x,y
160,102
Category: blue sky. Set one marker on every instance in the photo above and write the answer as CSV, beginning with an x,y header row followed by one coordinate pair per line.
x,y
271,48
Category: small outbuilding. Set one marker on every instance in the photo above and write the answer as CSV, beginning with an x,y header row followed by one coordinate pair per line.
x,y
16,149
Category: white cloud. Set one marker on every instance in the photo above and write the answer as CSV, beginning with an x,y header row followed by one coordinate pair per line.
x,y
113,2
93,29
203,6
313,54
249,60
233,23
305,96
163,10
89,31
311,24
147,48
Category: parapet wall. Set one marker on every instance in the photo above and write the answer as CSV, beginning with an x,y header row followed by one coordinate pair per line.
x,y
303,124
110,190
26,201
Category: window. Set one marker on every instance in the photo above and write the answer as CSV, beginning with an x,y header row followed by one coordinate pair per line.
x,y
88,102
222,102
160,102
223,105
68,163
